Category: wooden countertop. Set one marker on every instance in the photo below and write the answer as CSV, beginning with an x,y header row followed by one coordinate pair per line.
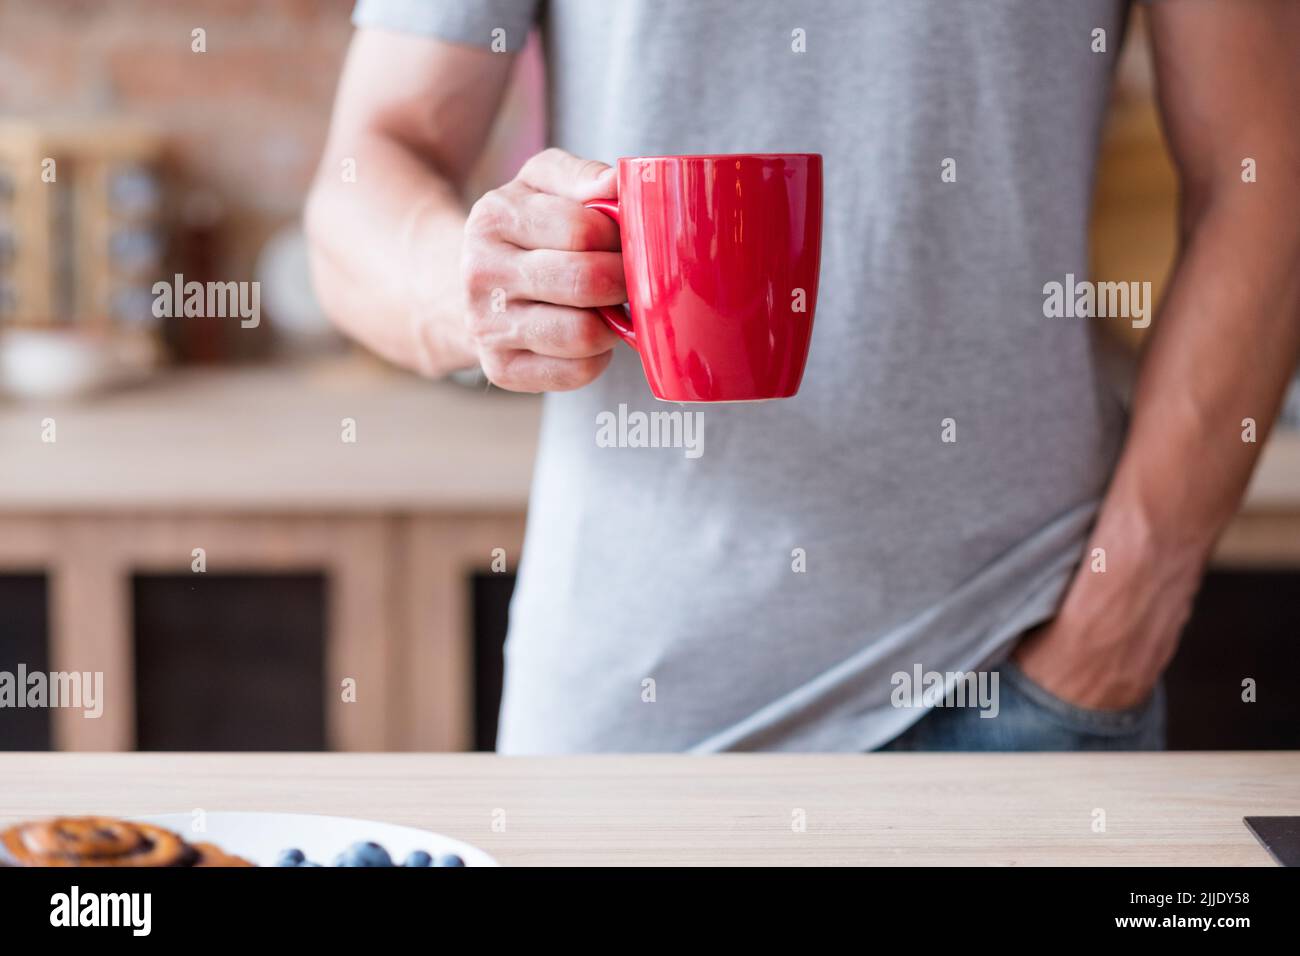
x,y
267,438
948,809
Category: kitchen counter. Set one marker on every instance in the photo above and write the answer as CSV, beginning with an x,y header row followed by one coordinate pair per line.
x,y
267,438
946,809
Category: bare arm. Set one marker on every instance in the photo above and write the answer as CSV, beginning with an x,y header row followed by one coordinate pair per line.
x,y
401,266
411,116
1222,348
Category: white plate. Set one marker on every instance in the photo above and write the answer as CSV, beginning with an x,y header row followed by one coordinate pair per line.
x,y
261,837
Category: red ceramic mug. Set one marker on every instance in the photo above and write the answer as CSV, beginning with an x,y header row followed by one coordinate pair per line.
x,y
721,256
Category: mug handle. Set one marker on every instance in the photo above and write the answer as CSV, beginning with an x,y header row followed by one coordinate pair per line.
x,y
617,317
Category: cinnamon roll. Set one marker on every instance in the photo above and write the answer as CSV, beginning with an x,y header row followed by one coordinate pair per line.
x,y
103,841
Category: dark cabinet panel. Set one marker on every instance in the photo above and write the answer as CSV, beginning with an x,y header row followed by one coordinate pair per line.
x,y
24,640
491,614
1246,624
230,662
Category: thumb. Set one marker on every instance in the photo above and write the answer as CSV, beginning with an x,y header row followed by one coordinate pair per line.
x,y
562,174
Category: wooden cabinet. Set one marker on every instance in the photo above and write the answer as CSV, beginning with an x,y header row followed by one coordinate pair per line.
x,y
397,617
250,469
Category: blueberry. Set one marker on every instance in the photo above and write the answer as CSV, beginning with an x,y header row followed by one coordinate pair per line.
x,y
290,857
418,858
308,863
364,854
450,859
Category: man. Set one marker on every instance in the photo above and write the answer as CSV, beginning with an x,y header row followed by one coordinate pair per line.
x,y
955,473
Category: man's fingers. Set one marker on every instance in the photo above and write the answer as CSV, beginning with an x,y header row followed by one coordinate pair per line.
x,y
562,174
533,220
529,372
561,332
534,248
582,279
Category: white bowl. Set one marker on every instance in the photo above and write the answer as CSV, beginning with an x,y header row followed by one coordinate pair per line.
x,y
40,364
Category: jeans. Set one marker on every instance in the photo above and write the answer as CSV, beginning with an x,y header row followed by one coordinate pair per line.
x,y
1031,718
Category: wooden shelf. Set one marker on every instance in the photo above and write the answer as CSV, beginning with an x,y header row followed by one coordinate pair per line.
x,y
269,438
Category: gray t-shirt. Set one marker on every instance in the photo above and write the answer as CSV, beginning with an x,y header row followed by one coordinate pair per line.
x,y
763,594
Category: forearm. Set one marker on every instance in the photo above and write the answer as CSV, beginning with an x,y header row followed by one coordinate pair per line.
x,y
1224,345
385,253
1222,351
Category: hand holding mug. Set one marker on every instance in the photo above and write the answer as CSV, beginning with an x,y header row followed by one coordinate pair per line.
x,y
535,264
721,256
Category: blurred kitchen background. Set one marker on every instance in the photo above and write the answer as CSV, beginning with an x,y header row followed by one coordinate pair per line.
x,y
180,507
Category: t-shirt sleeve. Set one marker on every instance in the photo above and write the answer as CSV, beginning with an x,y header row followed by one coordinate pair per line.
x,y
471,22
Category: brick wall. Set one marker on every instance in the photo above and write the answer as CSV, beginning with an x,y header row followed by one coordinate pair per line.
x,y
246,119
